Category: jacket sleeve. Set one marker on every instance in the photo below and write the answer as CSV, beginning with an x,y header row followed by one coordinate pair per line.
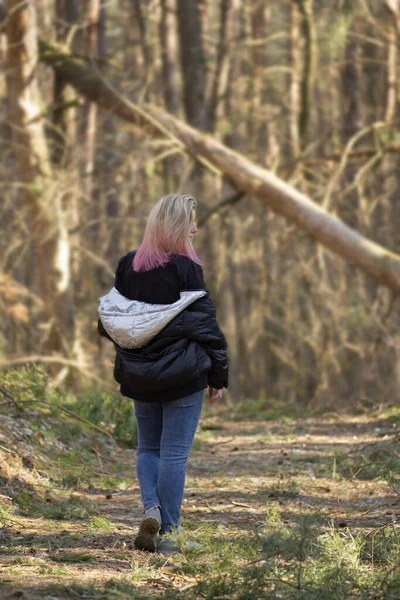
x,y
200,324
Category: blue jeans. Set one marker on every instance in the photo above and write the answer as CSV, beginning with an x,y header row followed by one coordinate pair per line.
x,y
165,435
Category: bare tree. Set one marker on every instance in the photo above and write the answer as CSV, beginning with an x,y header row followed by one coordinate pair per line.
x,y
295,91
219,84
45,214
194,65
169,56
350,81
393,37
309,66
67,17
142,27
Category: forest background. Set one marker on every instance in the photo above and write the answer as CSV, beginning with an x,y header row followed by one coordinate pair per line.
x,y
94,98
281,119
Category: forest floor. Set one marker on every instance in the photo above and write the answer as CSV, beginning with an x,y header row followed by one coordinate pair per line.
x,y
285,508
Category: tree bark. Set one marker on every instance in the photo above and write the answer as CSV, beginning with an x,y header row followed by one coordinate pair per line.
x,y
171,81
67,14
295,83
219,82
141,21
309,67
350,84
90,109
394,28
169,55
378,262
45,215
108,161
266,135
193,61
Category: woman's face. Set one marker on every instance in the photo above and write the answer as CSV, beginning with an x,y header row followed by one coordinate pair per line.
x,y
193,228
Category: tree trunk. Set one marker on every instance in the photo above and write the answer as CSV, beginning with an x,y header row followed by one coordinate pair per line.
x,y
224,106
193,61
67,14
295,89
90,109
350,85
394,27
309,67
376,261
219,82
45,215
266,135
108,161
142,26
171,82
169,56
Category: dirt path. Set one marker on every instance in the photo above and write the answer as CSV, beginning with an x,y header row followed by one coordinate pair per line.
x,y
237,472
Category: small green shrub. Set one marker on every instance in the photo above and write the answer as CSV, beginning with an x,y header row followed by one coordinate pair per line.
x,y
392,414
379,461
109,410
25,382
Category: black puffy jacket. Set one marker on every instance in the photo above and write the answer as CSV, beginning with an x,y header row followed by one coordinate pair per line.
x,y
188,354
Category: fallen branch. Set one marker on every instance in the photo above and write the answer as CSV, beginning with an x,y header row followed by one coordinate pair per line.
x,y
378,262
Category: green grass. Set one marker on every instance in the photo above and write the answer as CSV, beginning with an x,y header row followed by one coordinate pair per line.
x,y
69,509
7,512
48,570
377,461
72,557
110,411
97,523
301,560
141,572
290,549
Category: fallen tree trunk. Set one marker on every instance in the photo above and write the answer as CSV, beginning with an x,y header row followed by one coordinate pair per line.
x,y
376,261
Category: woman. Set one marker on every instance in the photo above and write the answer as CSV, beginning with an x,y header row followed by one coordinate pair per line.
x,y
169,349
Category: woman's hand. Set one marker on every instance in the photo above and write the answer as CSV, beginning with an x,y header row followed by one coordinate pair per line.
x,y
215,394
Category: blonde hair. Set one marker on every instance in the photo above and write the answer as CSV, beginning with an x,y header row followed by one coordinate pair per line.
x,y
167,232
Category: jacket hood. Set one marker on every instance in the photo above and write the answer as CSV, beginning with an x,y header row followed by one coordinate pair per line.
x,y
132,323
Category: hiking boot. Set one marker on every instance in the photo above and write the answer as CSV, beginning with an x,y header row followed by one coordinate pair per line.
x,y
175,542
168,546
146,538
